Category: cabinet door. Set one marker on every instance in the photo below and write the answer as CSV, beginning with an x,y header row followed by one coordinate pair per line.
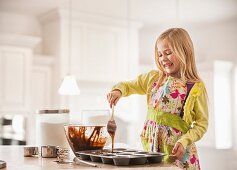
x,y
41,87
14,77
100,52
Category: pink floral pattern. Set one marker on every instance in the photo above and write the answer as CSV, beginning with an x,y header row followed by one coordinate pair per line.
x,y
169,98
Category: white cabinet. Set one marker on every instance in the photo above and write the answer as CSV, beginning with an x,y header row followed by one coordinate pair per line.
x,y
41,82
25,79
103,53
103,49
15,66
14,78
99,52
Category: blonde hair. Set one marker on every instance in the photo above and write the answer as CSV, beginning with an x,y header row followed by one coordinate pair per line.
x,y
182,47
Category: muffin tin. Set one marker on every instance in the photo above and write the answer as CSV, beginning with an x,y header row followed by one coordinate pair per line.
x,y
121,156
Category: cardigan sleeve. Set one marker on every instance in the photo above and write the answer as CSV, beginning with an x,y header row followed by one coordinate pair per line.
x,y
200,117
140,85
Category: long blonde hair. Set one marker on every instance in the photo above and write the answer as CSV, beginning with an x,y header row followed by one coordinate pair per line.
x,y
182,47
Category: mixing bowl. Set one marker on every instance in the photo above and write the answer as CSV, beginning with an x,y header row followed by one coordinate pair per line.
x,y
86,137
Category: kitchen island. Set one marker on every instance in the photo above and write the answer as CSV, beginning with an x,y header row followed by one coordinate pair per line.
x,y
14,157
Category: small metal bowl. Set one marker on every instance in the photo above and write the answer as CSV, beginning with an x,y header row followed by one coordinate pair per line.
x,y
30,151
49,151
3,164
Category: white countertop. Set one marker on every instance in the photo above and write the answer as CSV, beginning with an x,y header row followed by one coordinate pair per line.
x,y
14,156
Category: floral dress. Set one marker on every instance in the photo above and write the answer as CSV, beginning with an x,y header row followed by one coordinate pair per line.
x,y
163,125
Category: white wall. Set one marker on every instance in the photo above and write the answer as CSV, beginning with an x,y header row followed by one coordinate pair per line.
x,y
212,40
21,24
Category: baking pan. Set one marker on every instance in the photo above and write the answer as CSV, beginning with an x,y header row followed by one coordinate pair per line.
x,y
138,159
155,157
121,160
95,158
108,158
121,157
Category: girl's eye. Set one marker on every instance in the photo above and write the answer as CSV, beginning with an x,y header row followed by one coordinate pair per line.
x,y
168,52
159,55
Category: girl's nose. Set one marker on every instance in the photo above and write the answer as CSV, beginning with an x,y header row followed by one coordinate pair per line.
x,y
164,57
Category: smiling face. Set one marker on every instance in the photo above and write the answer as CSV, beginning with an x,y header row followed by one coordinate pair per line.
x,y
167,59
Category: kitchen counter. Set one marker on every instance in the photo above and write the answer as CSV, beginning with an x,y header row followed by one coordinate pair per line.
x,y
14,156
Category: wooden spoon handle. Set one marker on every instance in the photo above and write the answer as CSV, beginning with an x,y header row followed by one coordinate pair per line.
x,y
112,115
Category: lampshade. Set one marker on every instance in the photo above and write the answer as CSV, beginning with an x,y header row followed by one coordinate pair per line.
x,y
69,86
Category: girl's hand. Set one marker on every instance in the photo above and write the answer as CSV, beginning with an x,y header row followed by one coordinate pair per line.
x,y
113,97
178,151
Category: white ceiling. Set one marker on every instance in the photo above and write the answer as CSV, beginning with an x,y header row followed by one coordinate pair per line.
x,y
148,11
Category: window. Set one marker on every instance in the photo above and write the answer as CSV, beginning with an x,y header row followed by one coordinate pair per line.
x,y
223,111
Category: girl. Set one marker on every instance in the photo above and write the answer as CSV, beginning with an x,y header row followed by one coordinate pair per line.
x,y
176,97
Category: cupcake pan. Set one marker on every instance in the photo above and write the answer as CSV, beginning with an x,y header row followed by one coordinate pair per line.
x,y
96,158
121,157
154,157
107,158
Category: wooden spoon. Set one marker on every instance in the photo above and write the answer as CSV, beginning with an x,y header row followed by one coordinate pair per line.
x,y
111,127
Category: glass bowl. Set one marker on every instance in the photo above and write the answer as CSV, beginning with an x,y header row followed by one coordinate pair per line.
x,y
86,137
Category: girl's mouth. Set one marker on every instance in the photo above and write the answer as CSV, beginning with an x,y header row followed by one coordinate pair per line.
x,y
167,65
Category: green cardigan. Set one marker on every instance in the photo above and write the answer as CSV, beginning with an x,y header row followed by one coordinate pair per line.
x,y
195,108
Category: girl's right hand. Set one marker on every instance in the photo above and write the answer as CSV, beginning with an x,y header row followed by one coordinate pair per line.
x,y
113,97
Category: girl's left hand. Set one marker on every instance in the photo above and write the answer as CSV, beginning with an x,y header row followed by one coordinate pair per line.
x,y
178,151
